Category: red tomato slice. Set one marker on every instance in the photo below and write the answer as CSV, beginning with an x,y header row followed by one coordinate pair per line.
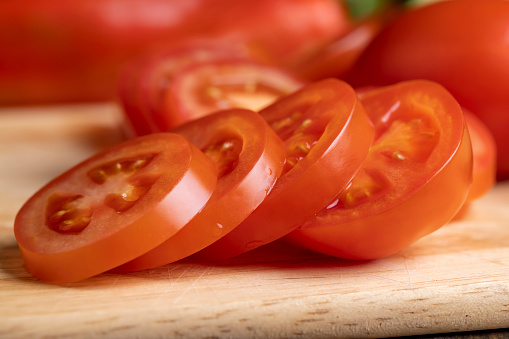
x,y
249,157
206,87
485,157
113,207
462,45
414,180
144,80
327,136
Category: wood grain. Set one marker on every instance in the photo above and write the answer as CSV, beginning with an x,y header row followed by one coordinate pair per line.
x,y
456,279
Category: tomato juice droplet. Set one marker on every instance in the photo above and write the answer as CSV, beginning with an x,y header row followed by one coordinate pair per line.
x,y
217,230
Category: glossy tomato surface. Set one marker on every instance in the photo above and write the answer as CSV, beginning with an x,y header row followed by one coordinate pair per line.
x,y
113,207
63,50
461,44
249,157
327,135
414,180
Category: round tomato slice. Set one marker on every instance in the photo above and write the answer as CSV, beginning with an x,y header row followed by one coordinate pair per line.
x,y
484,150
113,207
414,180
327,135
249,157
462,45
144,80
203,88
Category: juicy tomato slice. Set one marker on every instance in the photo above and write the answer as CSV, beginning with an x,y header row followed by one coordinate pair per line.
x,y
327,135
249,157
414,180
144,80
484,151
113,207
462,45
203,88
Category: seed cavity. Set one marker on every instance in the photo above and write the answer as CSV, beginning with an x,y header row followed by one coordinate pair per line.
x,y
68,214
101,174
225,154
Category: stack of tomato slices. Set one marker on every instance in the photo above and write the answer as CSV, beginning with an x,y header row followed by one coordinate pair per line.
x,y
324,167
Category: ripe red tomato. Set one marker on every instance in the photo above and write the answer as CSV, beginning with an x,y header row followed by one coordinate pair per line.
x,y
414,180
249,157
113,207
62,50
485,157
327,136
461,44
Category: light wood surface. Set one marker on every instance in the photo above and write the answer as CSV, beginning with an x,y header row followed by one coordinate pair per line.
x,y
456,279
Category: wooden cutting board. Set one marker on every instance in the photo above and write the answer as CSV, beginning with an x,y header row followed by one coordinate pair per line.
x,y
456,279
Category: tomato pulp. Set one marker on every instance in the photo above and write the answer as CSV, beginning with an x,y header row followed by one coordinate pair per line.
x,y
113,207
414,180
327,136
249,157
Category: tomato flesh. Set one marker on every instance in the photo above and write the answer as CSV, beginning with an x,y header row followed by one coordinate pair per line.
x,y
414,180
113,207
327,136
215,85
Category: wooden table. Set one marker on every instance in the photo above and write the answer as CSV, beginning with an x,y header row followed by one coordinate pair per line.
x,y
456,279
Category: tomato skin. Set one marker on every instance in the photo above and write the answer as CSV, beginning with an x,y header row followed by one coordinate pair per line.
x,y
165,193
485,157
238,192
410,207
55,50
462,45
328,110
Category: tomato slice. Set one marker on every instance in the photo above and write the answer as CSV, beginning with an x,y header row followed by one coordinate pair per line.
x,y
414,180
113,207
249,157
327,135
144,80
203,88
485,157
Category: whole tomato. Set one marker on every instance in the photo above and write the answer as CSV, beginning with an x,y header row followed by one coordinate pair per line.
x,y
70,50
463,45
